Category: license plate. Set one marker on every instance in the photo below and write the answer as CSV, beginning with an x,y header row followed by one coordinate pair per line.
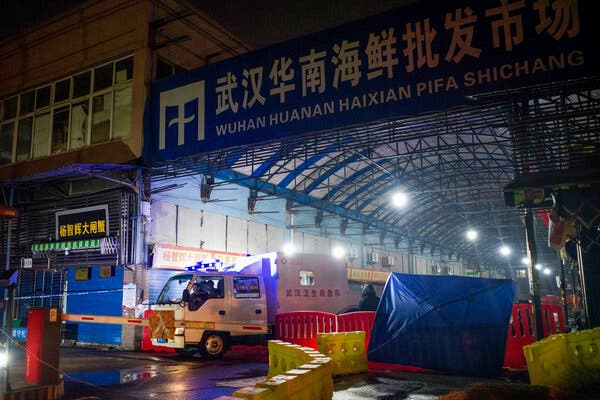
x,y
160,340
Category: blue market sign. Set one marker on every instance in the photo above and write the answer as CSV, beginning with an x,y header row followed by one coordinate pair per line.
x,y
426,57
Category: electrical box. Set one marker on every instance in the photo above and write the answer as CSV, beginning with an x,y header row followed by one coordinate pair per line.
x,y
388,261
352,254
43,346
373,258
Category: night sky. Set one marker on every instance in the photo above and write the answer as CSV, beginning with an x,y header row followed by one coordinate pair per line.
x,y
257,22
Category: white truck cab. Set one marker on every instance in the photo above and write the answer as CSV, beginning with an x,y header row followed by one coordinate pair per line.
x,y
214,306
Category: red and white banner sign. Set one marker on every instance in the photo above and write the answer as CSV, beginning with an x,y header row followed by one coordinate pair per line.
x,y
176,257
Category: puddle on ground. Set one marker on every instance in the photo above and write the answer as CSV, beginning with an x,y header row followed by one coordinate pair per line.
x,y
111,377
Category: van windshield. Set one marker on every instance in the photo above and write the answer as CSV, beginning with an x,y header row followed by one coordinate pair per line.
x,y
173,289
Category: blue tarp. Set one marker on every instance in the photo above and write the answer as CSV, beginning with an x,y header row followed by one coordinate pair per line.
x,y
448,323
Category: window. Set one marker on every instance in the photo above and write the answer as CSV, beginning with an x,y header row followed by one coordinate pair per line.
x,y
246,287
6,142
60,125
62,90
26,105
124,70
41,135
81,84
101,118
103,77
24,139
307,278
91,107
122,117
10,108
212,287
79,124
42,97
173,290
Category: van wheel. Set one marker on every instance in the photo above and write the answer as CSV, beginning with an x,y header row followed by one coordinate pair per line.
x,y
212,345
187,351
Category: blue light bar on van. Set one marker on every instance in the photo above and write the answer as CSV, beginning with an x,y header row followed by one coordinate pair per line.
x,y
206,265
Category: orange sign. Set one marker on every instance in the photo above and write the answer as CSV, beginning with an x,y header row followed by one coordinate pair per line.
x,y
8,212
162,324
367,275
53,314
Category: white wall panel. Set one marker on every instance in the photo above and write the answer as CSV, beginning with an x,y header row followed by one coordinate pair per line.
x,y
162,227
189,229
237,230
322,245
257,238
213,231
310,243
274,238
298,241
421,266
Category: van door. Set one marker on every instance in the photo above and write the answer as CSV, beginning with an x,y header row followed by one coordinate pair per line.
x,y
249,303
208,301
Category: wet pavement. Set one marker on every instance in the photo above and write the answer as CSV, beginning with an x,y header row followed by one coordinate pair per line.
x,y
115,375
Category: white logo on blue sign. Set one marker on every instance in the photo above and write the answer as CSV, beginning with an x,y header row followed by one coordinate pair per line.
x,y
181,114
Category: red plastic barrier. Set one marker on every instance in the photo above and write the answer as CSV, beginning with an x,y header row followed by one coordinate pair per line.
x,y
301,327
357,321
520,331
552,319
147,342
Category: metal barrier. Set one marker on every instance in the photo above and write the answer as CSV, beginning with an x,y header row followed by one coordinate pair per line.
x,y
301,327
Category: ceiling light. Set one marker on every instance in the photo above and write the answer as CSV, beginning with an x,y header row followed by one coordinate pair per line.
x,y
525,260
547,271
471,234
399,199
338,252
288,249
538,266
505,250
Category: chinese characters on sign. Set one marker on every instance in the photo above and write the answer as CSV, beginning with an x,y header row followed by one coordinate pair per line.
x,y
313,292
411,60
367,275
176,257
82,223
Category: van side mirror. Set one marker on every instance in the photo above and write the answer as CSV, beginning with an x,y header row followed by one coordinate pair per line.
x,y
185,296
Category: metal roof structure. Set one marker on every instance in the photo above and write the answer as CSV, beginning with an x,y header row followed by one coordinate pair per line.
x,y
453,164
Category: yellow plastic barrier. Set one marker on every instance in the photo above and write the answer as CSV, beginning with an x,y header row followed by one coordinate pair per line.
x,y
284,356
255,393
346,350
567,361
309,378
